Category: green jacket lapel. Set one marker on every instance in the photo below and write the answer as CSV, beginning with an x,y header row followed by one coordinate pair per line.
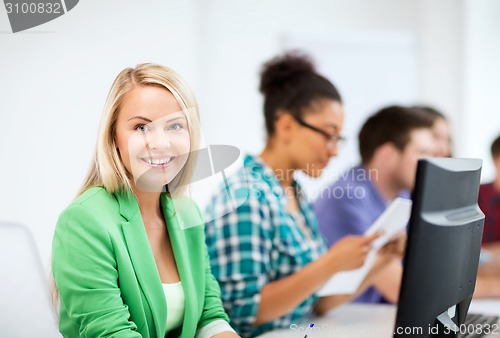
x,y
184,264
143,260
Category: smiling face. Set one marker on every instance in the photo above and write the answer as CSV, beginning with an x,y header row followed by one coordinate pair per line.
x,y
310,149
152,137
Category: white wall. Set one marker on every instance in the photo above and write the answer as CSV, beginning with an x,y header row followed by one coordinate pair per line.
x,y
238,36
54,78
480,123
440,54
53,83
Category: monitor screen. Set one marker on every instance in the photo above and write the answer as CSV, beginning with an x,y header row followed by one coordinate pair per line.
x,y
442,255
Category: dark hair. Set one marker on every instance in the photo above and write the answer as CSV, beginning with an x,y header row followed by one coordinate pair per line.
x,y
390,124
290,82
431,112
495,147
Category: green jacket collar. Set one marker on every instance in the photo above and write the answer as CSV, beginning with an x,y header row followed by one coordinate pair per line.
x,y
145,266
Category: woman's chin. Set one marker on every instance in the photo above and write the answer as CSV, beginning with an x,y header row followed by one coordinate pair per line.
x,y
152,181
314,173
315,169
150,186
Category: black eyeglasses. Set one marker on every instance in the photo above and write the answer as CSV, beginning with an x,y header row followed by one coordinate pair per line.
x,y
333,139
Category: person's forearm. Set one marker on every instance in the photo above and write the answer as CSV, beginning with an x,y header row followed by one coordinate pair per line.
x,y
282,296
388,281
328,303
487,287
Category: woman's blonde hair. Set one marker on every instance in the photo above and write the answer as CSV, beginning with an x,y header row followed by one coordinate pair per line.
x,y
106,168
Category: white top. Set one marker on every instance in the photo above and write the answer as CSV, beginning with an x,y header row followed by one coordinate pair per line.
x,y
174,294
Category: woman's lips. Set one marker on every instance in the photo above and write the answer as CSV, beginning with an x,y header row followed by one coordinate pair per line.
x,y
158,162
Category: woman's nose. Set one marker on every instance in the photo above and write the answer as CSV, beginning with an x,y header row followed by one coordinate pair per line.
x,y
333,150
159,139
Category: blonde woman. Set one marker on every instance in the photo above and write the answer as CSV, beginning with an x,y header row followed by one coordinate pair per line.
x,y
125,262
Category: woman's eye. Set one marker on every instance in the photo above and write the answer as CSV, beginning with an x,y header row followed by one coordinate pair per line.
x,y
176,127
141,128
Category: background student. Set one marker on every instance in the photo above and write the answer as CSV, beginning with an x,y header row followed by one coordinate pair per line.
x,y
440,130
268,254
390,143
489,202
488,278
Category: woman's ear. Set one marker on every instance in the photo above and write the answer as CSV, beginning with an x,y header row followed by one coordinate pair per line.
x,y
285,126
387,155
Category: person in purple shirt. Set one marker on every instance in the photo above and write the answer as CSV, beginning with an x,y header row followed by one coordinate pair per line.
x,y
390,142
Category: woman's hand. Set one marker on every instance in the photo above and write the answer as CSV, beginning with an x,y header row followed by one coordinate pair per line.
x,y
350,252
396,247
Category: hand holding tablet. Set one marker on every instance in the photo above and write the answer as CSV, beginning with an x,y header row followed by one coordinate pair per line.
x,y
389,224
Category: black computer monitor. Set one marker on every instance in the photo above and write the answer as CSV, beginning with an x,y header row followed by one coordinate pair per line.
x,y
442,255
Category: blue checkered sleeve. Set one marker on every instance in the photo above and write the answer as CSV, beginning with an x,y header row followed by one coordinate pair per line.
x,y
239,243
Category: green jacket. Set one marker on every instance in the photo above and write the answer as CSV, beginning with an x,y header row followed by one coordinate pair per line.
x,y
106,275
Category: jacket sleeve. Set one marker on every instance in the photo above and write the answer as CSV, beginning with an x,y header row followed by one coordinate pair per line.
x,y
85,272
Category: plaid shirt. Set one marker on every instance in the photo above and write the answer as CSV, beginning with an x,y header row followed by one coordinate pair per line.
x,y
258,243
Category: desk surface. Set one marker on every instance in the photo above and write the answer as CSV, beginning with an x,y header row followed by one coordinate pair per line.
x,y
363,320
485,306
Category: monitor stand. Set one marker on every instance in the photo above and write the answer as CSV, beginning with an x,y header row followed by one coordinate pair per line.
x,y
446,318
